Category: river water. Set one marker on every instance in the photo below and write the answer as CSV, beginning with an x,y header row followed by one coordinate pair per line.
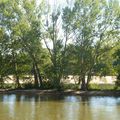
x,y
36,107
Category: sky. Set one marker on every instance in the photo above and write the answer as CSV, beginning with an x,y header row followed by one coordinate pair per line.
x,y
61,3
55,4
52,2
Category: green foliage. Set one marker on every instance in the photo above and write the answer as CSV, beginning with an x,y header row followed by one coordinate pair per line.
x,y
90,25
70,86
28,85
79,39
116,65
7,86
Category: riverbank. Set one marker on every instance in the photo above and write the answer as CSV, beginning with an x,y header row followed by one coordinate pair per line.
x,y
65,92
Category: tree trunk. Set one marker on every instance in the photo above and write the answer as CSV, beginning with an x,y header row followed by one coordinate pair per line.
x,y
1,81
88,80
39,76
83,85
17,82
79,80
37,72
36,84
16,71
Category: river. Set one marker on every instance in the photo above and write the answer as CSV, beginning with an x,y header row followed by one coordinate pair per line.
x,y
49,107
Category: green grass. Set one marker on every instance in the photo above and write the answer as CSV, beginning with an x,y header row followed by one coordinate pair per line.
x,y
92,87
101,87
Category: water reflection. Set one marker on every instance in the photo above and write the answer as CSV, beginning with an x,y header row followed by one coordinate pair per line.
x,y
26,107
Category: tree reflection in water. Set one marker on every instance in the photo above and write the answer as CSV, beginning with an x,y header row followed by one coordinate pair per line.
x,y
47,107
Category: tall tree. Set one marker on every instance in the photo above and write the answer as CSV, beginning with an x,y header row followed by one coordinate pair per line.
x,y
56,43
21,21
91,23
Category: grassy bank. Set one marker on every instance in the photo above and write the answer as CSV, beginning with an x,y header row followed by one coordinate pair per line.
x,y
46,86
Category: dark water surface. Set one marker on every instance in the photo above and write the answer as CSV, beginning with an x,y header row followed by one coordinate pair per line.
x,y
28,107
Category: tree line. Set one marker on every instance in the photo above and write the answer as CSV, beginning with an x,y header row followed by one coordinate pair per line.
x,y
51,43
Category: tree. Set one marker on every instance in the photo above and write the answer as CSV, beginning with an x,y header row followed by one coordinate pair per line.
x,y
91,23
117,65
9,20
21,21
78,38
53,34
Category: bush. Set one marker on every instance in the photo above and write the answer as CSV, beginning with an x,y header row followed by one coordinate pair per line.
x,y
27,85
7,86
70,86
48,85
